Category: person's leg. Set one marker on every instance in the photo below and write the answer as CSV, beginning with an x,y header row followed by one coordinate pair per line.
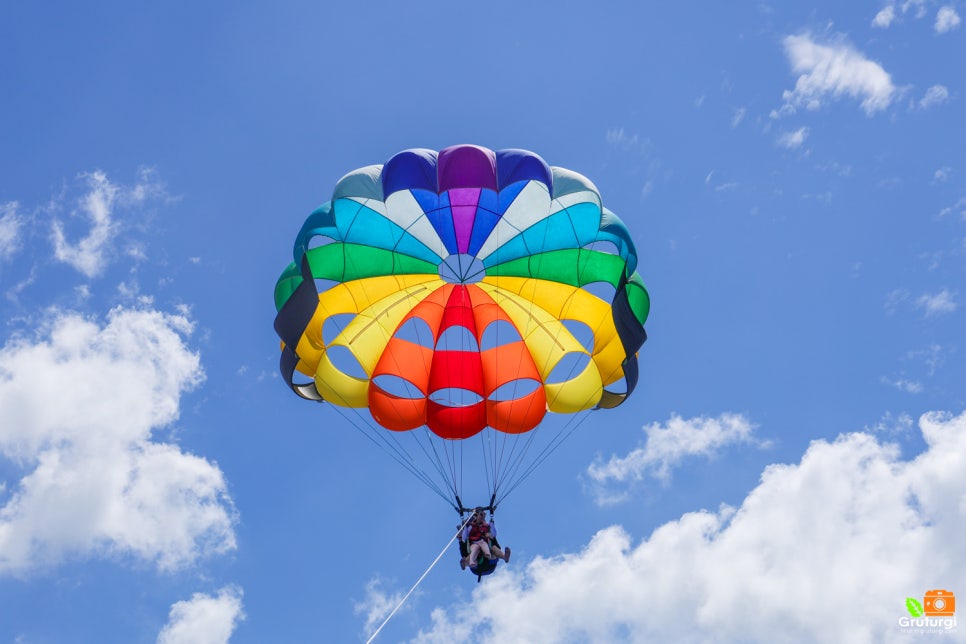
x,y
486,549
473,555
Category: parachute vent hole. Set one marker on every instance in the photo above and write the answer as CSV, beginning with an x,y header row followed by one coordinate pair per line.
x,y
455,397
322,285
343,359
603,246
399,387
334,325
602,290
514,390
571,365
581,332
317,241
417,331
499,333
619,387
457,338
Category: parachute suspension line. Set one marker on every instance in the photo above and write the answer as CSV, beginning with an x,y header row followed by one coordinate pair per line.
x,y
462,452
449,450
418,581
565,433
434,457
488,440
497,451
517,457
400,368
397,452
569,428
512,462
572,425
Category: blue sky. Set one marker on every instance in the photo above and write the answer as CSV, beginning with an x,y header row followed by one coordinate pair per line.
x,y
793,178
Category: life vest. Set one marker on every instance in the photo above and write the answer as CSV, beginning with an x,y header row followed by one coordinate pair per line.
x,y
478,531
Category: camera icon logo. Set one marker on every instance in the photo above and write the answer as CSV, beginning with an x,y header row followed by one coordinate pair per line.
x,y
939,603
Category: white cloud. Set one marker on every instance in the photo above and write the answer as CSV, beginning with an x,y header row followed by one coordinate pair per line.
x,y
738,117
841,169
826,550
204,619
79,407
918,5
377,605
942,174
666,446
936,304
892,424
794,139
89,254
92,252
933,357
935,95
946,19
904,384
832,70
647,188
885,17
960,206
618,139
722,186
943,301
11,225
896,299
888,14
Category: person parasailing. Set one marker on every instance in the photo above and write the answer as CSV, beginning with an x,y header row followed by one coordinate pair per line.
x,y
479,548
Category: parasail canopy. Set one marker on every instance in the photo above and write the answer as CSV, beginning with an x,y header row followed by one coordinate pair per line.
x,y
462,293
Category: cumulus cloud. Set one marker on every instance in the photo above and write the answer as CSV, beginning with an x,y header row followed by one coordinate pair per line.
x,y
97,207
893,424
917,7
377,605
666,446
823,550
204,619
937,303
831,70
931,304
885,17
892,11
904,384
959,206
793,139
80,403
946,19
935,95
10,226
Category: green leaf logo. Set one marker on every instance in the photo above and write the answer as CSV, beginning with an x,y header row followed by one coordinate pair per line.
x,y
914,607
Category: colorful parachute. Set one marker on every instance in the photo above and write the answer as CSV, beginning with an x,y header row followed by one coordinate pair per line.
x,y
455,292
